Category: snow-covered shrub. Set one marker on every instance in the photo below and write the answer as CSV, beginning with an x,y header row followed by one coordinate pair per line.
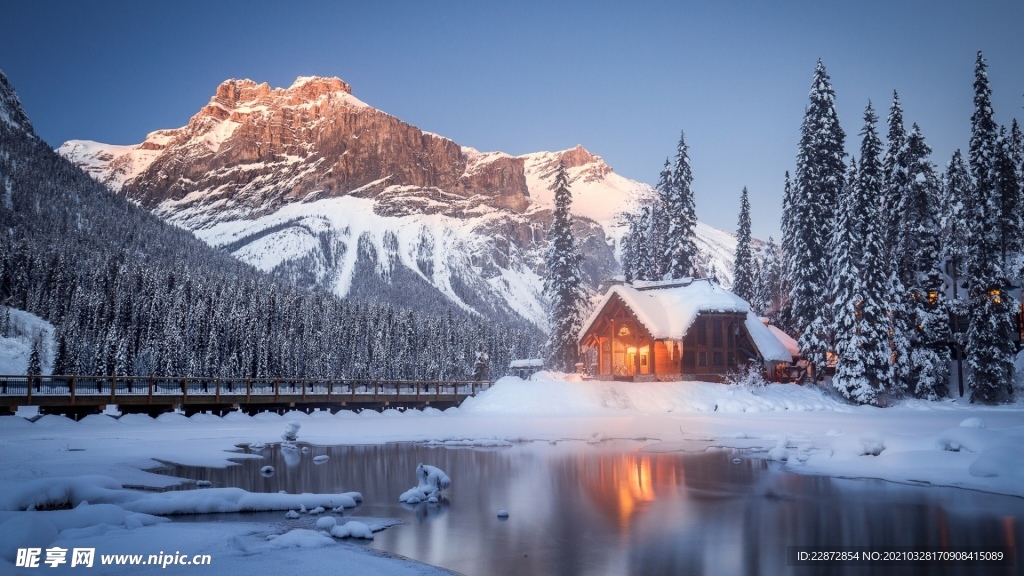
x,y
291,433
431,480
749,375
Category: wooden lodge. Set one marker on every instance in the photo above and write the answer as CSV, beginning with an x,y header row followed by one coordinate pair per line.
x,y
678,330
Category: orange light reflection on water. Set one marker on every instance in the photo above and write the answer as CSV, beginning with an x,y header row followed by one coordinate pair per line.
x,y
623,485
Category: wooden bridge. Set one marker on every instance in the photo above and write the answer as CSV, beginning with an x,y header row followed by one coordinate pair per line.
x,y
156,394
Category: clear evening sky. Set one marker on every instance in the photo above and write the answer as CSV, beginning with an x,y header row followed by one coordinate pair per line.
x,y
621,78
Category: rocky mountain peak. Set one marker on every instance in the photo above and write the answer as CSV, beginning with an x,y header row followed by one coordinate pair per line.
x,y
579,156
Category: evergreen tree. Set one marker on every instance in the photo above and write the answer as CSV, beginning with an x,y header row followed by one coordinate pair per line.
x,y
35,366
658,225
819,181
563,284
743,267
923,365
5,323
990,349
958,190
1008,184
894,165
860,287
846,244
680,249
875,291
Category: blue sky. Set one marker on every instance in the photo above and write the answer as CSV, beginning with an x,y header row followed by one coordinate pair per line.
x,y
620,78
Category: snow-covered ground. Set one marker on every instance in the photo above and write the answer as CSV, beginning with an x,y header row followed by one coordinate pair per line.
x,y
55,460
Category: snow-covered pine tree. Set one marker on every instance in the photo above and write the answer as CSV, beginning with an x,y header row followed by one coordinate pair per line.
x,y
5,323
1011,225
846,245
926,373
990,349
819,181
743,266
646,265
563,283
894,166
658,226
872,286
35,364
680,249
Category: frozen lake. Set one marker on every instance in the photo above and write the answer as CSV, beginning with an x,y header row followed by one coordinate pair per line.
x,y
614,508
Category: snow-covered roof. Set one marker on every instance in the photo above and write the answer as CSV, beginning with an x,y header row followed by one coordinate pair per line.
x,y
668,309
786,339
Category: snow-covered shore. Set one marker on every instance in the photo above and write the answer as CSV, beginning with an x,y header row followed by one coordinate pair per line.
x,y
56,460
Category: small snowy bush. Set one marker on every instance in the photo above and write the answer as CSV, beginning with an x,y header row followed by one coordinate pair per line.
x,y
750,375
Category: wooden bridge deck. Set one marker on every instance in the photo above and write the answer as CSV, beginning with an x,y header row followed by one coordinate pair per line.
x,y
153,394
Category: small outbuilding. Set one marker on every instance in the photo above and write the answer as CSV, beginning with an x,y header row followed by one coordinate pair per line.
x,y
677,330
525,367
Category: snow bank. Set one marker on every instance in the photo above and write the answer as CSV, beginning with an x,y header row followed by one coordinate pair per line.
x,y
39,529
301,538
548,396
103,489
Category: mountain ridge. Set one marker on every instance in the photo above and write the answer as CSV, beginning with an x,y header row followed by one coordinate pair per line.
x,y
468,225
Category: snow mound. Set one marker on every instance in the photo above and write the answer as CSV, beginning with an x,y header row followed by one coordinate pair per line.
x,y
325,523
352,529
301,538
546,394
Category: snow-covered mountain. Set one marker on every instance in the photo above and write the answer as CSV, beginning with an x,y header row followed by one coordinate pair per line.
x,y
315,185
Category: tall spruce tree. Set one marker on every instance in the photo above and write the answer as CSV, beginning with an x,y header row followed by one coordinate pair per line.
x,y
680,249
894,165
990,349
1007,178
872,287
563,283
35,365
926,371
846,245
819,181
743,265
658,226
860,287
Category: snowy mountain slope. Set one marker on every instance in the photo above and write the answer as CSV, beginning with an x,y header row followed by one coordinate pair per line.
x,y
16,344
317,186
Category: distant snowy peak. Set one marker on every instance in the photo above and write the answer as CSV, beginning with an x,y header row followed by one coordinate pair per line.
x,y
11,112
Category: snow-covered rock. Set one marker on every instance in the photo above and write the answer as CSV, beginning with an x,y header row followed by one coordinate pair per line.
x,y
431,482
352,529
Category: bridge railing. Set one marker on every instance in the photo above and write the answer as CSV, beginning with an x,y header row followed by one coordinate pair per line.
x,y
230,389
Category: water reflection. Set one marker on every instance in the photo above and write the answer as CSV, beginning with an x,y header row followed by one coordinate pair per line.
x,y
609,509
